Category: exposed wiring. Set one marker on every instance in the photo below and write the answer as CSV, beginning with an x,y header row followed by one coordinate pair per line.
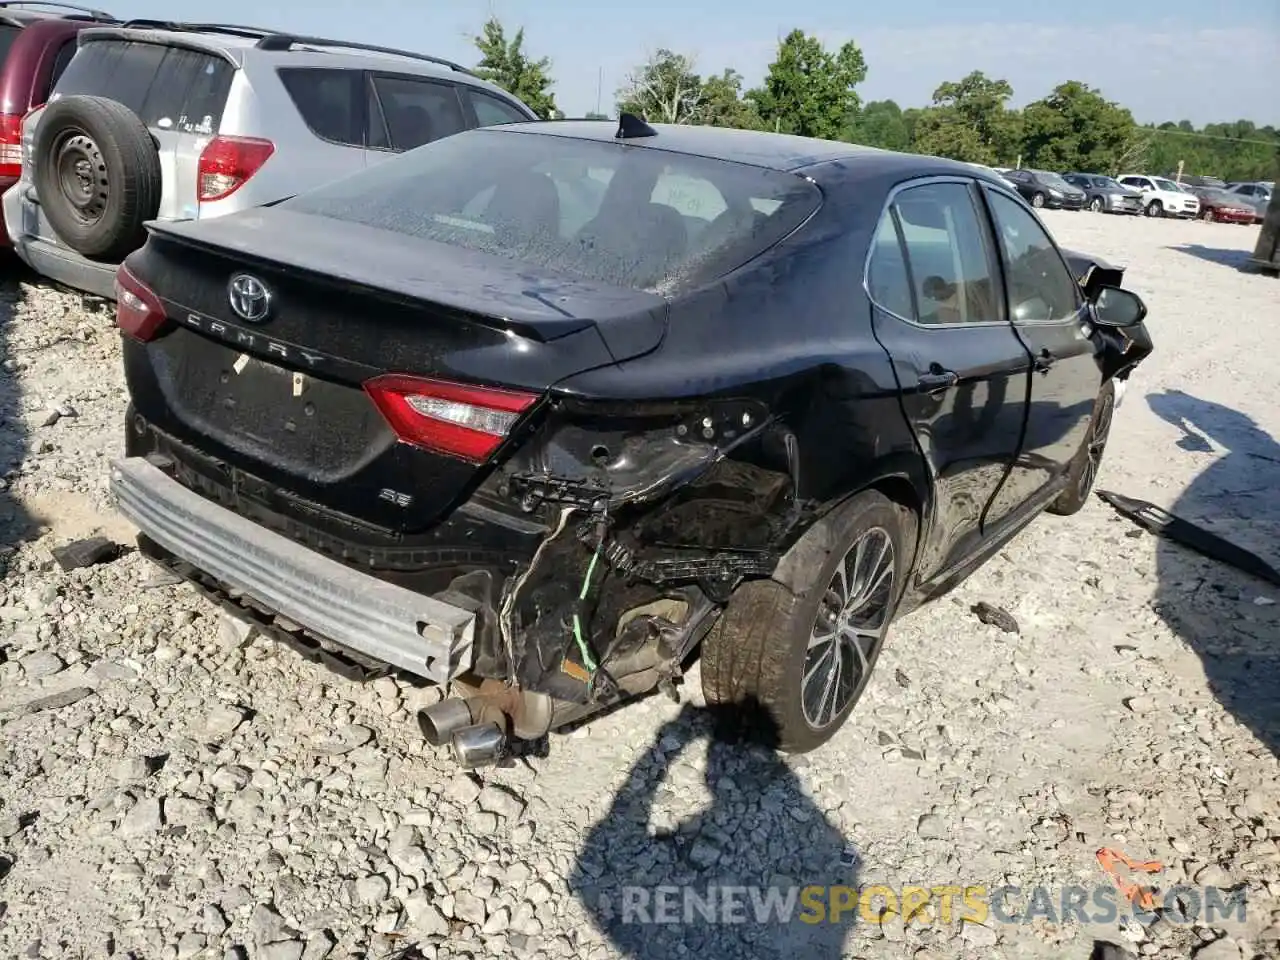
x,y
587,660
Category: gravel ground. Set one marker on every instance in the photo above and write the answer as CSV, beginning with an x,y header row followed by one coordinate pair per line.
x,y
174,788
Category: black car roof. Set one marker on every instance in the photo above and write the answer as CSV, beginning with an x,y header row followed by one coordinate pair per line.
x,y
776,151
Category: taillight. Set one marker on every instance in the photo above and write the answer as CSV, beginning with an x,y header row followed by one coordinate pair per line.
x,y
462,421
227,163
10,144
139,313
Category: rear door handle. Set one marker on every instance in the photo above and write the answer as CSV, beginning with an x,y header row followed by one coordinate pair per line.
x,y
937,379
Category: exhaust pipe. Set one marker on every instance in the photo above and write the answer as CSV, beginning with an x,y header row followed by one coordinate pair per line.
x,y
440,721
479,744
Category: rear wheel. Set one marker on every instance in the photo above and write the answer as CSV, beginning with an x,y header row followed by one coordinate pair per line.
x,y
1096,204
1084,468
1155,209
1037,200
796,664
1208,216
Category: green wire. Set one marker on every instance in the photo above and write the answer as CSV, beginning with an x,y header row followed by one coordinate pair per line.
x,y
587,661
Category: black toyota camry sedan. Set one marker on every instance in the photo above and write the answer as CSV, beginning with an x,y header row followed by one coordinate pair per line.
x,y
545,411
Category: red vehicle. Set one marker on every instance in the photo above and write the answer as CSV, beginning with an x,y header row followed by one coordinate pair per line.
x,y
37,41
1219,204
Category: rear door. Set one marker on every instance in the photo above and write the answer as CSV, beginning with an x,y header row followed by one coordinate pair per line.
x,y
963,372
1050,316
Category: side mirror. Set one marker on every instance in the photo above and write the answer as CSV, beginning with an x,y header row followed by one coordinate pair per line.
x,y
1114,307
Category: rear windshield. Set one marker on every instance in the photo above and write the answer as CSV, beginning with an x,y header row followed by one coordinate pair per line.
x,y
171,88
8,34
629,215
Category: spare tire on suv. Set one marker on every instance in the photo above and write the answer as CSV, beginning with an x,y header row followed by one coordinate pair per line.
x,y
97,175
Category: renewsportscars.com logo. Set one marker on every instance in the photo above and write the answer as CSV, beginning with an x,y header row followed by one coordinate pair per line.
x,y
921,905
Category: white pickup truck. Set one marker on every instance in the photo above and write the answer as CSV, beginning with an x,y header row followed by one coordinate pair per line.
x,y
1161,197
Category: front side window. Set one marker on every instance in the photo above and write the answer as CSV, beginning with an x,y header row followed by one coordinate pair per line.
x,y
169,88
1038,284
417,111
602,211
947,253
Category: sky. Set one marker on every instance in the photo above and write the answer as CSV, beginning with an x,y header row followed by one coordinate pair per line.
x,y
1164,59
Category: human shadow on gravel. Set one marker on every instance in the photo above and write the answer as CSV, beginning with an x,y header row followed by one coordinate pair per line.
x,y
1223,256
727,882
1209,604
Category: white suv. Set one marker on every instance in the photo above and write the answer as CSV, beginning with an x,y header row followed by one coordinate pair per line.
x,y
1161,197
167,121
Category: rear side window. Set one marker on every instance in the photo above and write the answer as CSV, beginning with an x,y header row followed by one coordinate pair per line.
x,y
946,245
8,34
414,112
331,102
615,213
167,87
888,280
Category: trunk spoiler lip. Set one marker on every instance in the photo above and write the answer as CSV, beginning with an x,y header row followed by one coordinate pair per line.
x,y
534,317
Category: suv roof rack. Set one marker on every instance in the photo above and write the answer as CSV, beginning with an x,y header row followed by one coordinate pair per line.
x,y
227,29
283,41
84,11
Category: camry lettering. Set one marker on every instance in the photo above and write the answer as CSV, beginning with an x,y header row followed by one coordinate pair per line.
x,y
243,338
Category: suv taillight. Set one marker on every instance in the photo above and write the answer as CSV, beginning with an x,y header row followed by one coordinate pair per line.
x,y
10,144
228,162
457,419
139,313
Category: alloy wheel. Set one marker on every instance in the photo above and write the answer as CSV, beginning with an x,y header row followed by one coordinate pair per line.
x,y
1096,205
1099,430
852,618
1038,200
1208,215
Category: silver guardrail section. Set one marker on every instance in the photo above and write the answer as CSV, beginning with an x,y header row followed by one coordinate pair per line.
x,y
417,633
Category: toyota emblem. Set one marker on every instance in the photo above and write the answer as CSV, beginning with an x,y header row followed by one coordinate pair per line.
x,y
250,298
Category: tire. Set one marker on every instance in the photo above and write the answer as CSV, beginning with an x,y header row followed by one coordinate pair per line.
x,y
1155,209
1037,200
754,659
1084,468
1208,216
1096,204
97,174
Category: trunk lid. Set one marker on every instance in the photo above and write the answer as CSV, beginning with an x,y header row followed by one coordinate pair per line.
x,y
279,400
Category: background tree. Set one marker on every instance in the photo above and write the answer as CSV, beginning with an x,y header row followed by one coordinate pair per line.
x,y
970,121
721,103
505,63
1076,128
808,90
883,124
664,89
592,115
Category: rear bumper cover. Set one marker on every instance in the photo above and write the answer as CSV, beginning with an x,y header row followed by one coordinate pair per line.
x,y
411,631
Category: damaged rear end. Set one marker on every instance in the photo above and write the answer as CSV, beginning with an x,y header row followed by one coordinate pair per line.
x,y
364,433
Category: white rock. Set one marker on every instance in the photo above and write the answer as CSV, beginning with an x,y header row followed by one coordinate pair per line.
x,y
145,818
373,889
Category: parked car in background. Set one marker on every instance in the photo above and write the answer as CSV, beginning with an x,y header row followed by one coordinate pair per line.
x,y
1257,195
1161,197
1192,180
1219,204
1104,195
1041,188
468,441
37,41
198,121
